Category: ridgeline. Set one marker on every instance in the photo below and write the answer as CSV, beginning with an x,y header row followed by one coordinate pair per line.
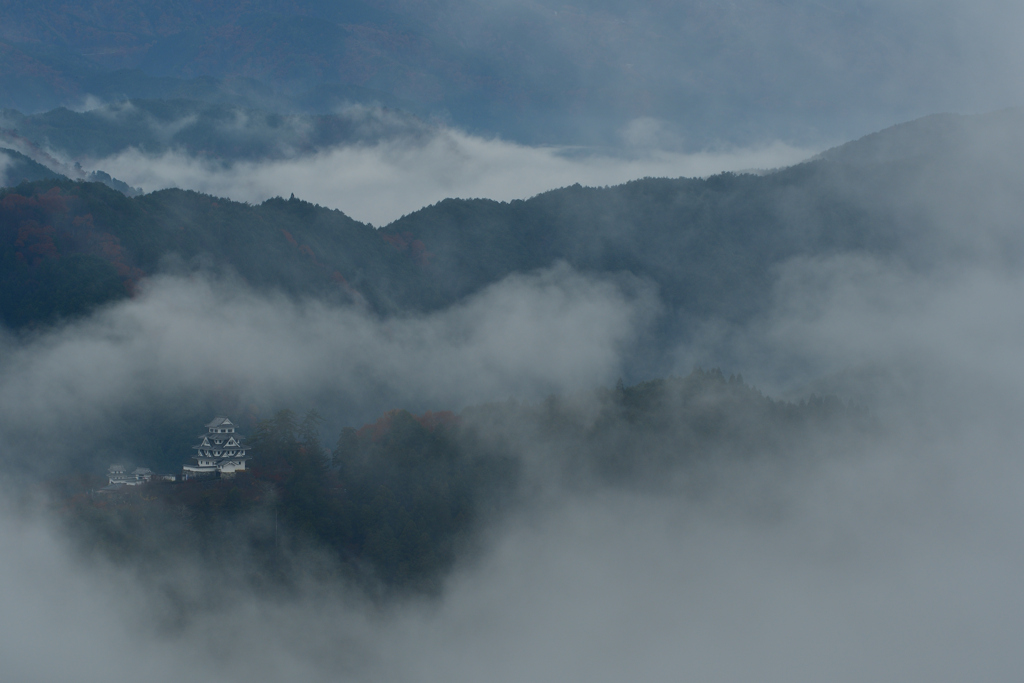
x,y
712,246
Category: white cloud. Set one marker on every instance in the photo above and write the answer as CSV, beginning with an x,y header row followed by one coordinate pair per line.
x,y
886,566
893,558
91,103
553,331
381,182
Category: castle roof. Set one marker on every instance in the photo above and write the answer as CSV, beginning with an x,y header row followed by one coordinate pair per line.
x,y
220,422
207,441
224,438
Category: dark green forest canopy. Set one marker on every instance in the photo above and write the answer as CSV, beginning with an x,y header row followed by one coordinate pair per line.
x,y
399,502
16,168
711,246
67,247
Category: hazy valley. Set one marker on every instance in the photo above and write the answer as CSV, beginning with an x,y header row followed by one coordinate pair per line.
x,y
562,343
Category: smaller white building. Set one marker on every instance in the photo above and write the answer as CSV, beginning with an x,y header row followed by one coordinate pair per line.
x,y
119,478
116,474
219,452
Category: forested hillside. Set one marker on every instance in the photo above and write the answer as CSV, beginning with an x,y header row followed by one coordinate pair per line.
x,y
16,168
401,500
67,247
710,245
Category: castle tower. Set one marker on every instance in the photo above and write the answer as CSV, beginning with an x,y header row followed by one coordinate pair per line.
x,y
220,451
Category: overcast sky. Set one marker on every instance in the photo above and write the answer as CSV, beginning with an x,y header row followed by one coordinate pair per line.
x,y
744,70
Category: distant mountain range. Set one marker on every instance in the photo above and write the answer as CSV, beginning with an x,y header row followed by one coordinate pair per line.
x,y
535,72
17,168
284,56
922,192
221,132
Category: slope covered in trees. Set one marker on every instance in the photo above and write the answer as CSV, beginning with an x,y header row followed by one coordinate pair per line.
x,y
67,247
16,168
399,502
711,245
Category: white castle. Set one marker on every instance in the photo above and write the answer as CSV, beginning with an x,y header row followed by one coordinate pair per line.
x,y
220,452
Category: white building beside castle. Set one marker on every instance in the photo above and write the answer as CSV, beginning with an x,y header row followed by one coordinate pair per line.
x,y
219,452
119,478
116,474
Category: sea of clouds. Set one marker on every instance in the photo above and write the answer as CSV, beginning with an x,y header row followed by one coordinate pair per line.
x,y
380,182
895,558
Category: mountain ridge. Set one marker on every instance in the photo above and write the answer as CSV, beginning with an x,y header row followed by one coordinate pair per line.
x,y
710,245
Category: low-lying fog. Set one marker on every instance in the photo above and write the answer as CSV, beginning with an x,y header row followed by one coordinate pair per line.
x,y
384,180
555,331
893,567
897,557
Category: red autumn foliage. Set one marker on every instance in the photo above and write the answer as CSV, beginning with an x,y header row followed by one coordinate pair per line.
x,y
288,236
51,201
431,420
407,242
35,242
109,247
335,276
378,429
47,224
